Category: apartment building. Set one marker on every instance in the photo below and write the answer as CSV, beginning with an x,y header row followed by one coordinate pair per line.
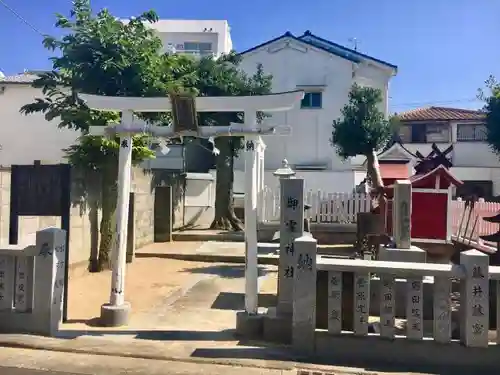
x,y
472,159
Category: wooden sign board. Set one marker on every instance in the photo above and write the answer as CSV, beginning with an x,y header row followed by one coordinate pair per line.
x,y
185,117
36,190
42,190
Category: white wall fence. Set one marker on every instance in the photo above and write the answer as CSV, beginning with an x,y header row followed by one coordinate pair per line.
x,y
325,207
473,227
469,315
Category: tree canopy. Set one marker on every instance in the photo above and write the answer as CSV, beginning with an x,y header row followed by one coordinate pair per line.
x,y
363,127
100,54
364,130
223,77
492,111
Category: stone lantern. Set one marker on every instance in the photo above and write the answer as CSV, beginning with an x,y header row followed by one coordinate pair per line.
x,y
285,171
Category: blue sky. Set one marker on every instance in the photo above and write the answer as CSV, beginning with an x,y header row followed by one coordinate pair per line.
x,y
445,49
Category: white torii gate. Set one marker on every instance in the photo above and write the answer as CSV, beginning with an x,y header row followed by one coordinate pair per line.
x,y
116,312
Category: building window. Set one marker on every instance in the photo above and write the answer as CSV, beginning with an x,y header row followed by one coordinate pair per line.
x,y
475,189
471,133
312,100
437,133
198,47
405,134
425,133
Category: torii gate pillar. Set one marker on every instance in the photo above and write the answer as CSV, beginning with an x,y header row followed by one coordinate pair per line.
x,y
254,179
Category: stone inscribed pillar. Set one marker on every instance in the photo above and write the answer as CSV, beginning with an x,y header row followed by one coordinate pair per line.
x,y
474,299
49,286
442,310
291,227
361,303
401,214
414,309
387,306
23,296
334,302
304,295
6,282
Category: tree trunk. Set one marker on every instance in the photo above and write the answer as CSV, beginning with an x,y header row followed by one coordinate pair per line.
x,y
373,172
109,197
225,218
94,236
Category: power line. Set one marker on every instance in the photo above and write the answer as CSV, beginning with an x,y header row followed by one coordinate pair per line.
x,y
19,17
411,104
417,104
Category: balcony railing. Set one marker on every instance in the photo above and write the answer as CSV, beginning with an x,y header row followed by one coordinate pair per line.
x,y
197,53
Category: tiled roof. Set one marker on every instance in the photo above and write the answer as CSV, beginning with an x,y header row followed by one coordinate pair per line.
x,y
313,40
19,78
440,113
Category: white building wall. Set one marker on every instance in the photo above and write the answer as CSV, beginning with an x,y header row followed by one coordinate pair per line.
x,y
297,66
24,139
178,32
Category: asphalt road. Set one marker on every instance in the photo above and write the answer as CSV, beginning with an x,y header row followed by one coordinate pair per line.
x,y
24,371
40,362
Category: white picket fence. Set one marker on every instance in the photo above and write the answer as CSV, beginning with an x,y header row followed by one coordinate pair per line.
x,y
476,226
325,207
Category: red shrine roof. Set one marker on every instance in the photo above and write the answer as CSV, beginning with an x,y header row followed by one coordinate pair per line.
x,y
428,180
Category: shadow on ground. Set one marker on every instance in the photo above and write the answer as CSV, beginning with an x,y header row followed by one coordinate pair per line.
x,y
155,335
275,352
236,301
227,271
266,351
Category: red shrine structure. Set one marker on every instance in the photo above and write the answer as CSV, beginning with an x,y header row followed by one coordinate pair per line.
x,y
432,185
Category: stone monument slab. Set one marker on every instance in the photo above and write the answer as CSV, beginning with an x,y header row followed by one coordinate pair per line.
x,y
474,299
401,214
304,295
291,227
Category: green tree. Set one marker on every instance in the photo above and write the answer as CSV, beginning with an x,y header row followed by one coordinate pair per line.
x,y
222,77
363,130
492,111
98,54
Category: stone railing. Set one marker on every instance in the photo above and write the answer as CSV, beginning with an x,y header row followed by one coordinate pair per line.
x,y
32,283
474,276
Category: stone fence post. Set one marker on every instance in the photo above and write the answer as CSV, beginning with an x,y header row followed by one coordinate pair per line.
x,y
474,299
304,295
49,280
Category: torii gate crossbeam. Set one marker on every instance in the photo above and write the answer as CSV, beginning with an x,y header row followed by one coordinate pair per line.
x,y
116,312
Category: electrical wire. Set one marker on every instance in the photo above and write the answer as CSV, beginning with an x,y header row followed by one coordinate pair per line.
x,y
21,18
418,104
410,104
